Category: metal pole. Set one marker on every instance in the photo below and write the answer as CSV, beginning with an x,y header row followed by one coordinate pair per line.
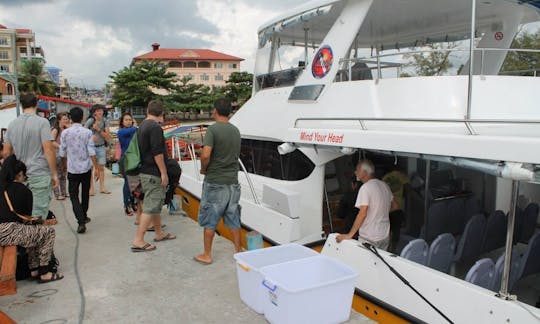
x,y
305,46
509,238
16,73
379,73
471,58
328,210
426,198
250,183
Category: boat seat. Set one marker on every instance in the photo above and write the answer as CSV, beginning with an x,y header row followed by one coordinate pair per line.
x,y
470,243
416,250
8,266
437,222
499,267
441,252
481,273
456,212
530,261
495,235
530,216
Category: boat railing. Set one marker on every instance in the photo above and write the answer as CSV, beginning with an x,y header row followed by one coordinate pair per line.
x,y
191,151
250,182
466,121
381,61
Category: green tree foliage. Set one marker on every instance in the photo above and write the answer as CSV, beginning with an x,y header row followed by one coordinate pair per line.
x,y
33,78
435,61
523,63
138,84
238,88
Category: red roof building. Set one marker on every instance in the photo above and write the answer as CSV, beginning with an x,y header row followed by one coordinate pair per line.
x,y
202,66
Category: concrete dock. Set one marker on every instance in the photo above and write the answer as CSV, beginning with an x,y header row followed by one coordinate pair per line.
x,y
107,283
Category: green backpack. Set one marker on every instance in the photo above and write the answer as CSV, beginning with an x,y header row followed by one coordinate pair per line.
x,y
131,161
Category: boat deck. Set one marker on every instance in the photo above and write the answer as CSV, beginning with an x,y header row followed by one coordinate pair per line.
x,y
106,283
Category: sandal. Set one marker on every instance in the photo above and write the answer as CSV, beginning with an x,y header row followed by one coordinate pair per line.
x,y
153,229
105,192
54,277
165,237
145,248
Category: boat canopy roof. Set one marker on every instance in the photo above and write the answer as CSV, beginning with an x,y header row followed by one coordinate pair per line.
x,y
398,22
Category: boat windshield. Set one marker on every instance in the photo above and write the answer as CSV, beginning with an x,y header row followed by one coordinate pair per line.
x,y
285,47
434,41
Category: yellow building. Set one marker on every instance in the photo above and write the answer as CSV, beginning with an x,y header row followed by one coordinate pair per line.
x,y
202,66
25,48
16,46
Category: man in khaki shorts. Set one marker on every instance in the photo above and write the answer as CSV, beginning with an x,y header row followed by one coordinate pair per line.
x,y
153,174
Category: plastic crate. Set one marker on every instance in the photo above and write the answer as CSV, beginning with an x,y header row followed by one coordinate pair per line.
x,y
249,263
311,290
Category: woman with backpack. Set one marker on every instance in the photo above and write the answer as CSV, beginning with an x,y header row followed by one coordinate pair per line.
x,y
125,132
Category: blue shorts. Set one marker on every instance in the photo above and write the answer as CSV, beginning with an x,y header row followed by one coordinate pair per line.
x,y
100,155
220,200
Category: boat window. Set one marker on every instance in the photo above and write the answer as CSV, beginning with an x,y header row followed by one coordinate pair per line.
x,y
262,158
287,47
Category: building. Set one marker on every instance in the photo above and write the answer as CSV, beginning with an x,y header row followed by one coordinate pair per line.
x,y
54,72
202,66
17,46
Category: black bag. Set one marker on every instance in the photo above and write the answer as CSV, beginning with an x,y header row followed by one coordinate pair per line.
x,y
173,172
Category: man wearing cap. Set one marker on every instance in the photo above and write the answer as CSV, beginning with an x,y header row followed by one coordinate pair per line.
x,y
100,130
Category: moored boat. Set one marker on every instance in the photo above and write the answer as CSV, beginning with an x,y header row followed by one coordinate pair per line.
x,y
339,80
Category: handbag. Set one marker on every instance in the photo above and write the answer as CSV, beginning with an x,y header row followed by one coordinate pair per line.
x,y
25,219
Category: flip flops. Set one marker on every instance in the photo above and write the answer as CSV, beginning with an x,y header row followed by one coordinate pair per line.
x,y
166,237
105,192
153,229
201,261
145,248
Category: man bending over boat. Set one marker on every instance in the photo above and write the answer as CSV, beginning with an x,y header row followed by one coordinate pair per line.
x,y
221,191
374,202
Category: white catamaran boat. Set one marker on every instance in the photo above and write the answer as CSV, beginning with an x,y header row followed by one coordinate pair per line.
x,y
336,81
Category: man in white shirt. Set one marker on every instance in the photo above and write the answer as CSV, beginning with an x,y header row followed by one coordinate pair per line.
x,y
374,201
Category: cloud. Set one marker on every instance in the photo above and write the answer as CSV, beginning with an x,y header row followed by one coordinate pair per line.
x,y
89,39
20,3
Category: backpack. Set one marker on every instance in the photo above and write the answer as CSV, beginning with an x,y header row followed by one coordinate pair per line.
x,y
173,173
131,159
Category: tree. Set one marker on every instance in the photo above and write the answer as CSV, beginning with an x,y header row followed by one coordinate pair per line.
x,y
238,88
138,84
33,78
434,62
523,63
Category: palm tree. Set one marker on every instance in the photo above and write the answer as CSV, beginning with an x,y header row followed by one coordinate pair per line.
x,y
33,78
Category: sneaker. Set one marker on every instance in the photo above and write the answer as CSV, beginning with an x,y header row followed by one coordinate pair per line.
x,y
87,220
81,229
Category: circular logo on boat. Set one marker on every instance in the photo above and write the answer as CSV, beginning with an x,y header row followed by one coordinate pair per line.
x,y
322,62
499,36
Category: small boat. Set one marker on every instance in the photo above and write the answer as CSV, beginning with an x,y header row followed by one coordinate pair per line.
x,y
422,87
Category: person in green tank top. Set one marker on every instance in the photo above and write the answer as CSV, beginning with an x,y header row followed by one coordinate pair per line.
x,y
221,190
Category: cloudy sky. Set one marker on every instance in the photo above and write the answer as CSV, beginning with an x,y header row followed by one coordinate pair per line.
x,y
89,39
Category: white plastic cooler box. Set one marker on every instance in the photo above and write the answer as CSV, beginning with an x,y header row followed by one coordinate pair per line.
x,y
249,263
310,290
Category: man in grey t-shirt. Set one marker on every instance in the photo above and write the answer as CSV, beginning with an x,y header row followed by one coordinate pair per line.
x,y
29,137
100,133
